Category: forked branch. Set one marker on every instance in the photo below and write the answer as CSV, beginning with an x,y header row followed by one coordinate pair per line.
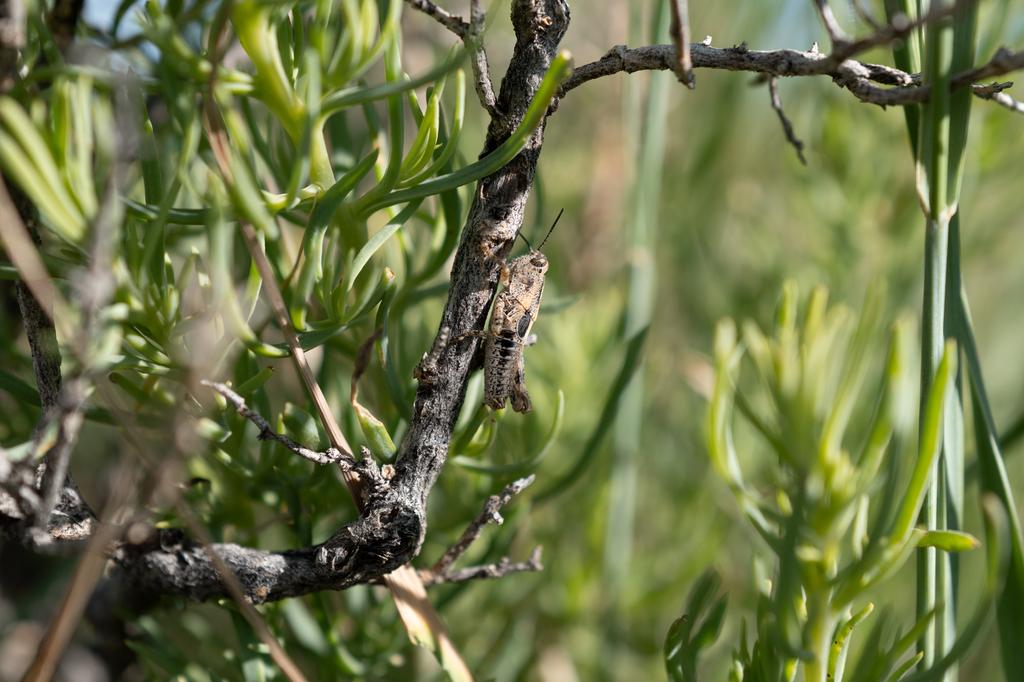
x,y
489,514
864,80
471,33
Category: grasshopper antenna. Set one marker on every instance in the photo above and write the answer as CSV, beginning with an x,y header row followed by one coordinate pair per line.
x,y
523,236
528,244
557,218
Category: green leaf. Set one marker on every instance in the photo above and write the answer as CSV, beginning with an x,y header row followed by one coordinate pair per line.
x,y
559,70
377,437
37,176
994,480
349,97
965,22
18,389
300,425
841,643
255,382
929,448
695,630
376,241
307,630
451,141
949,540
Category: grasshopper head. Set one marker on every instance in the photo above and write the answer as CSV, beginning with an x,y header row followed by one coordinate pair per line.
x,y
538,260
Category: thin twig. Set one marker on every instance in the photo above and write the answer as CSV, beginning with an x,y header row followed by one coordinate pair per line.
x,y
485,572
452,22
471,33
994,92
267,432
897,29
481,70
92,289
1002,62
787,126
680,31
489,514
855,76
832,27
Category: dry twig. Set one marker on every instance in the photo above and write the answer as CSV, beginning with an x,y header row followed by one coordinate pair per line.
x,y
489,514
994,92
441,572
900,27
1004,61
481,70
859,78
471,34
267,432
832,27
680,32
500,569
787,126
452,22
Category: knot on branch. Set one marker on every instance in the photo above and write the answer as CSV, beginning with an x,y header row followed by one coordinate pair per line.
x,y
383,539
535,18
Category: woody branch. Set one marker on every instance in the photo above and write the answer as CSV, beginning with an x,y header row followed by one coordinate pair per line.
x,y
390,530
169,564
862,79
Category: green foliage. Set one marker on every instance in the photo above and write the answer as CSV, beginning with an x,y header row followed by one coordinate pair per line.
x,y
357,221
354,173
939,135
830,512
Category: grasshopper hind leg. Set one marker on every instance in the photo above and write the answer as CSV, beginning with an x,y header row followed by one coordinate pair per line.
x,y
520,398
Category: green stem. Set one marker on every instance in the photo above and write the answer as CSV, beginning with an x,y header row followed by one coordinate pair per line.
x,y
820,625
932,339
933,168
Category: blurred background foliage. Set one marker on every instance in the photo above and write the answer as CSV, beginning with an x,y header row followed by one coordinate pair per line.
x,y
681,208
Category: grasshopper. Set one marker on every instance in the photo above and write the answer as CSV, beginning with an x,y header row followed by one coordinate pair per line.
x,y
515,310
